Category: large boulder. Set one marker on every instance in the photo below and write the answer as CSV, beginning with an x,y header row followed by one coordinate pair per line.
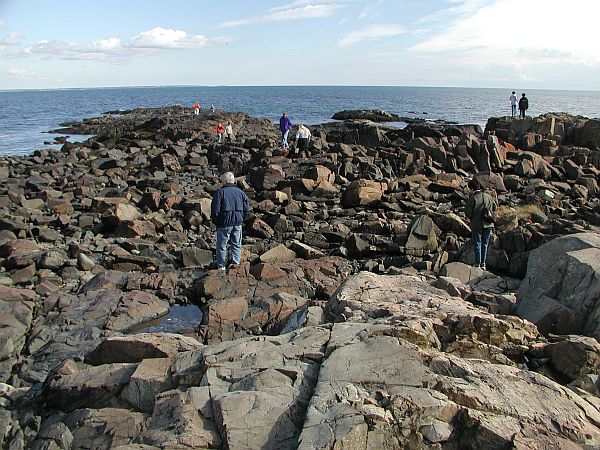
x,y
561,291
363,193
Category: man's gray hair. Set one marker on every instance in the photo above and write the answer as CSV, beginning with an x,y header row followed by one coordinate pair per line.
x,y
228,178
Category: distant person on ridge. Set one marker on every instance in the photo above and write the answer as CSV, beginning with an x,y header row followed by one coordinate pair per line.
x,y
523,106
228,209
302,139
220,129
284,126
513,104
196,108
479,208
228,132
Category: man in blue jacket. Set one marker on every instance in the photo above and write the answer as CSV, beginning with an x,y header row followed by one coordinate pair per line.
x,y
228,208
284,126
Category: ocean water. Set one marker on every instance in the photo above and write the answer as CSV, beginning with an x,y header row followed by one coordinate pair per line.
x,y
26,116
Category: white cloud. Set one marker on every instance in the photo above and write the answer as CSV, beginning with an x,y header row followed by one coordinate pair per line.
x,y
20,73
517,33
11,39
166,38
2,24
371,10
292,12
371,33
115,48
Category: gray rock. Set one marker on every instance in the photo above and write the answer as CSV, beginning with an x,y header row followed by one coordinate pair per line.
x,y
561,289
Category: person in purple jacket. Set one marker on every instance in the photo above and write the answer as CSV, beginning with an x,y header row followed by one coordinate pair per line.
x,y
284,126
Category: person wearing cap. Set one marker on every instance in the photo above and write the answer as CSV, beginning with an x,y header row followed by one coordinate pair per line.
x,y
229,207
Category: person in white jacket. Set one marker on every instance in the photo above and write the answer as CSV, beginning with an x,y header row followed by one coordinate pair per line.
x,y
303,137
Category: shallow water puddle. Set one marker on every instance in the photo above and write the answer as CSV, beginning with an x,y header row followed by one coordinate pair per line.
x,y
179,318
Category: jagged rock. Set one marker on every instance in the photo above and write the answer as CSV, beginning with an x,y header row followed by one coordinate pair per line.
x,y
363,193
20,253
562,285
574,356
192,257
278,254
135,348
422,236
71,387
367,114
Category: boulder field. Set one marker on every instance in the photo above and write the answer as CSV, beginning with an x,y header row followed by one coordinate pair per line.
x,y
355,320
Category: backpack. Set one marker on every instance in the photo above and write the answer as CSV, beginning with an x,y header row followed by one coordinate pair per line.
x,y
487,216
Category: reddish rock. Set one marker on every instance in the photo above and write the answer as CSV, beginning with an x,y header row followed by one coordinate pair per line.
x,y
20,253
363,193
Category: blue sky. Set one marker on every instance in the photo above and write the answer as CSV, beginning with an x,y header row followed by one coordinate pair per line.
x,y
519,44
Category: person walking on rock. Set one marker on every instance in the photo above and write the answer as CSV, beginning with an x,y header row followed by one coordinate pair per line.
x,y
523,106
196,108
479,210
513,104
229,207
220,129
302,139
284,126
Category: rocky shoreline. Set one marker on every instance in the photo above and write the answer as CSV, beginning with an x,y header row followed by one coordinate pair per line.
x,y
355,319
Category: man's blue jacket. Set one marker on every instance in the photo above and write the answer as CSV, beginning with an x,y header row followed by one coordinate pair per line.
x,y
229,206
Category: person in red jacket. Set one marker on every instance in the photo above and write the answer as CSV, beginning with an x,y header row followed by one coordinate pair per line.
x,y
220,129
196,108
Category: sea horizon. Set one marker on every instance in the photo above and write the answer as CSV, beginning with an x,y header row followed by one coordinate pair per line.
x,y
141,86
27,115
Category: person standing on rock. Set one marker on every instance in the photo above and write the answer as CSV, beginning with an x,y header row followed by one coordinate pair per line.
x,y
478,209
302,139
284,126
196,108
229,207
220,129
523,106
513,104
228,132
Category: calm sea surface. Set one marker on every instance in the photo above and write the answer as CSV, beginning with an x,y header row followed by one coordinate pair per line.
x,y
26,116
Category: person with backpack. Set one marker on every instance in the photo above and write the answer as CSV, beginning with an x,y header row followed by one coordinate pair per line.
x,y
480,210
523,106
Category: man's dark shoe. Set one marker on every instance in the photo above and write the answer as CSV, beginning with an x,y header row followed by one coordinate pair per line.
x,y
234,266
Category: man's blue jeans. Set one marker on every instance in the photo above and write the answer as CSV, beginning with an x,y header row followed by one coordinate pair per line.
x,y
481,241
514,110
284,138
226,235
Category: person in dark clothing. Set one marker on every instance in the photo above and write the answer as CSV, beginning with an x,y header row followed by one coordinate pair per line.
x,y
229,207
481,229
523,106
284,127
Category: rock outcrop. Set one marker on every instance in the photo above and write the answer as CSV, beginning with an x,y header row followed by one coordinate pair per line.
x,y
354,320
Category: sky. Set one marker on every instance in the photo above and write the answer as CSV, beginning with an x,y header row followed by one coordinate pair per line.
x,y
521,44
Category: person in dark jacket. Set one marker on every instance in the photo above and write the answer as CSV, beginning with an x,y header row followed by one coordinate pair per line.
x,y
229,207
284,127
481,229
523,106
